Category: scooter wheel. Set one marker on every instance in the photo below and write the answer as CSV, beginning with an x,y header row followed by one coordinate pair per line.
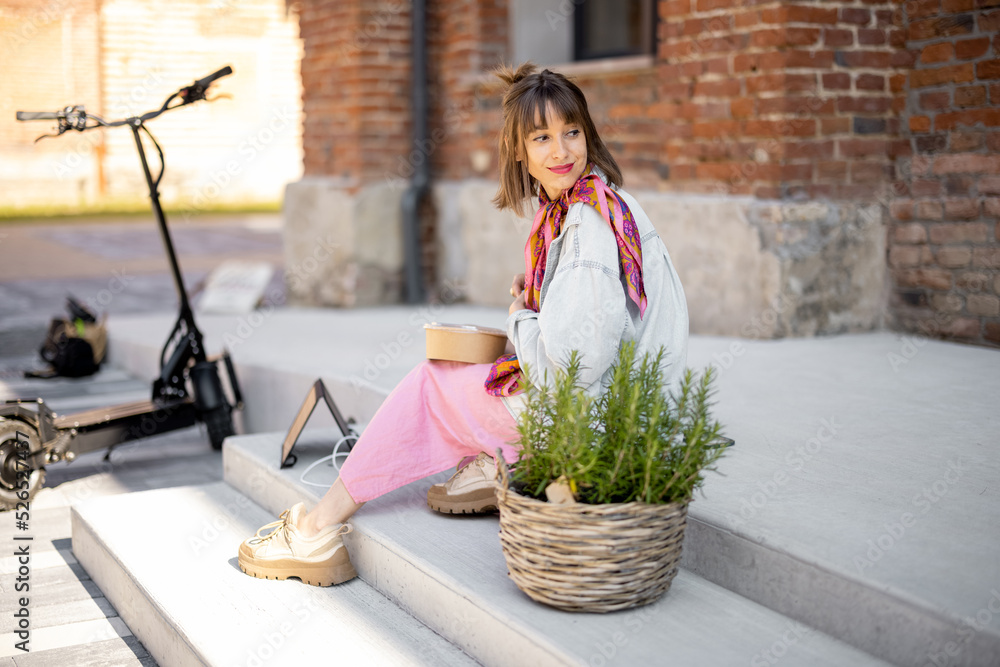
x,y
18,484
219,423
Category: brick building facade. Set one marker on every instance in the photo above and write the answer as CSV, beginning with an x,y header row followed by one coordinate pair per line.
x,y
944,244
814,167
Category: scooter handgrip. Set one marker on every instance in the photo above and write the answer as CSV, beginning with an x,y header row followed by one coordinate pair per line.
x,y
37,115
204,83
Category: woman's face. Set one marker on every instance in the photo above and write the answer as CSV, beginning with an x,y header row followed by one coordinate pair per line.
x,y
556,154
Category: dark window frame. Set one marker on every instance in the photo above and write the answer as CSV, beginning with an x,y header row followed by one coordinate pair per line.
x,y
648,36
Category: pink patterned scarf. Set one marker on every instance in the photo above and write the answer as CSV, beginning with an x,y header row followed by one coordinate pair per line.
x,y
504,377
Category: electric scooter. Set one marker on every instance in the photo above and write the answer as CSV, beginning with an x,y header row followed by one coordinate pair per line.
x,y
188,389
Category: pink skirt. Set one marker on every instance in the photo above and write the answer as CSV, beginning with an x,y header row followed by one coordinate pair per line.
x,y
438,415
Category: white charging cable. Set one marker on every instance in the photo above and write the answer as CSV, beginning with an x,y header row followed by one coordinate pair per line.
x,y
332,458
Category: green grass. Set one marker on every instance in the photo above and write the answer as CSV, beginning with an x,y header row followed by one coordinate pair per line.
x,y
123,209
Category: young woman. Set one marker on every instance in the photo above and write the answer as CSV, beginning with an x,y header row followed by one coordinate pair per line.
x,y
596,275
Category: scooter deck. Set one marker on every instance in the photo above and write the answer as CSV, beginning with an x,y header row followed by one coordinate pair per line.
x,y
96,416
109,426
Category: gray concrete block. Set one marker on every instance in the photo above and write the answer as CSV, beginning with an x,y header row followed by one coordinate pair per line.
x,y
191,604
808,267
904,407
449,572
841,505
343,244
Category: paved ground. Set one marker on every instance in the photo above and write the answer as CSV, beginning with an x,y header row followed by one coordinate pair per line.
x,y
119,267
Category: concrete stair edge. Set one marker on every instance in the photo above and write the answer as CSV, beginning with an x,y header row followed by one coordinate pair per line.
x,y
813,588
160,611
828,599
834,602
247,473
167,646
421,587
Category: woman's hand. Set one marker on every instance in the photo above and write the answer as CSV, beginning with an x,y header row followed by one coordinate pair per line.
x,y
517,286
517,305
517,291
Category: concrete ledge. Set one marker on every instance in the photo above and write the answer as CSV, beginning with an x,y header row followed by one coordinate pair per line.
x,y
841,505
750,267
138,611
360,353
343,245
450,573
167,561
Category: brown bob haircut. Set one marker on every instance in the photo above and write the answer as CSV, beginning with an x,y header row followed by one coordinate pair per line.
x,y
528,94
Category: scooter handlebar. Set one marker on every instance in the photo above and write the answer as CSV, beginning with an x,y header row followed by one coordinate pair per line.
x,y
204,83
38,115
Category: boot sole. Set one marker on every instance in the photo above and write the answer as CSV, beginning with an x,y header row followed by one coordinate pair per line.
x,y
480,501
335,570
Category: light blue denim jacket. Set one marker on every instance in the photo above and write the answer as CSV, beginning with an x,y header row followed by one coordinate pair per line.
x,y
584,304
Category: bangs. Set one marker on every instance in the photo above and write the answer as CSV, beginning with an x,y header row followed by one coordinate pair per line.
x,y
534,105
525,107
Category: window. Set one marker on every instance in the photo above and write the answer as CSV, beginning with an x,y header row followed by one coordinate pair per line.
x,y
557,32
612,29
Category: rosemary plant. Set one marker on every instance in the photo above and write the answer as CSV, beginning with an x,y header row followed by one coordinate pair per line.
x,y
635,442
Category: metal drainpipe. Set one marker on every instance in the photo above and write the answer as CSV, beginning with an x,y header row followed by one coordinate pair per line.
x,y
420,183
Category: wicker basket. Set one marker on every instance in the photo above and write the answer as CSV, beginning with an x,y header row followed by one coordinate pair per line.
x,y
592,558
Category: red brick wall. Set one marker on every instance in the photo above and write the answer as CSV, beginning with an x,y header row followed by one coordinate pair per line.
x,y
624,107
773,99
944,243
356,82
779,99
465,41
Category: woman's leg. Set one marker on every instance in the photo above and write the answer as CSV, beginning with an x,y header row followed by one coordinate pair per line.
x,y
439,414
336,506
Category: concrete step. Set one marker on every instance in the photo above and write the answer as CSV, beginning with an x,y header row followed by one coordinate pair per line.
x,y
860,499
361,353
166,559
449,572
